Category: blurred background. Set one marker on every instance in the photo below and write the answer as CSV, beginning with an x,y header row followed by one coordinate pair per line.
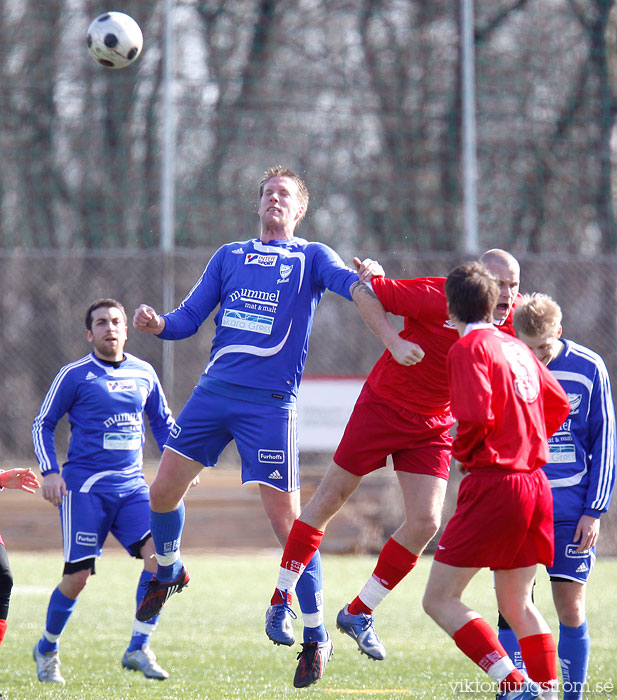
x,y
426,132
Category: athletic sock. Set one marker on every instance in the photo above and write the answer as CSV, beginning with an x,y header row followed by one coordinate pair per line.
x,y
309,591
166,529
573,652
142,630
2,630
477,640
302,543
510,643
394,563
540,658
59,611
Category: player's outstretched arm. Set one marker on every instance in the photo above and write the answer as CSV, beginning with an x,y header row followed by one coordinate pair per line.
x,y
147,320
375,317
20,478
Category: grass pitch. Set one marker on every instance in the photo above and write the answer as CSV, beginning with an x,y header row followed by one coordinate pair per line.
x,y
211,637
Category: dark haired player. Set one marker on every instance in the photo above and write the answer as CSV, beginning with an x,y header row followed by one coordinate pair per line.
x,y
101,486
506,404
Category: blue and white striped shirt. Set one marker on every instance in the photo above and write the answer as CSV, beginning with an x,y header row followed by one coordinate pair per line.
x,y
268,294
582,466
105,407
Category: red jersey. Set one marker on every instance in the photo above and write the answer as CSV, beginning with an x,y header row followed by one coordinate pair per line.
x,y
506,402
421,388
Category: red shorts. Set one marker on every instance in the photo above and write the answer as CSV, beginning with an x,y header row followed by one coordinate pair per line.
x,y
503,520
377,428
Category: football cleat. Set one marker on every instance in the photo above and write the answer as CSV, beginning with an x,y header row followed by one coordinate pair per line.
x,y
144,660
278,624
47,666
312,662
157,594
360,628
528,691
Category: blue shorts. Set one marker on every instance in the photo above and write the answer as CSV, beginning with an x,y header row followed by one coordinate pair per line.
x,y
87,519
568,563
266,437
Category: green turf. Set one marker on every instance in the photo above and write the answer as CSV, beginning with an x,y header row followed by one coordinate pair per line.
x,y
211,637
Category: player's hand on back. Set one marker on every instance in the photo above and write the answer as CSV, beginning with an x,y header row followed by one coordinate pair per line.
x,y
406,353
54,487
147,320
367,269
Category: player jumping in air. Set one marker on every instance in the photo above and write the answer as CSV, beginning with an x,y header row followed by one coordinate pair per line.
x,y
268,289
402,411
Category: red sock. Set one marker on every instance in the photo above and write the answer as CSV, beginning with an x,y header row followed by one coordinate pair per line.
x,y
478,640
302,543
394,563
2,630
540,657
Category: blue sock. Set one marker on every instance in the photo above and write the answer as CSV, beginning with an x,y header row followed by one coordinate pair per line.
x,y
510,644
573,653
166,529
309,591
59,610
142,630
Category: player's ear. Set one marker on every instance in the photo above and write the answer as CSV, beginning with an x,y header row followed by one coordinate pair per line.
x,y
559,331
88,335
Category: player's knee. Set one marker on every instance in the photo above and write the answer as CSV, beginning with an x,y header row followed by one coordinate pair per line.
x,y
74,583
425,525
430,604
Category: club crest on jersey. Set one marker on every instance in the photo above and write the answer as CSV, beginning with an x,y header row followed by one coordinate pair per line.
x,y
116,385
260,259
575,402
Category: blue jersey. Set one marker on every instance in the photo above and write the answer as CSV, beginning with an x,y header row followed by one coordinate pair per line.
x,y
268,294
581,470
105,407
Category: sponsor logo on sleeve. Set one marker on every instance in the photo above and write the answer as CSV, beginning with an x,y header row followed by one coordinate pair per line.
x,y
260,259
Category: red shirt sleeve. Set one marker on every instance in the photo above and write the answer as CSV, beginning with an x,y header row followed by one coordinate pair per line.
x,y
556,402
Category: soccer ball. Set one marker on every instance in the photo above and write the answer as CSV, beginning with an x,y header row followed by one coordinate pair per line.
x,y
114,40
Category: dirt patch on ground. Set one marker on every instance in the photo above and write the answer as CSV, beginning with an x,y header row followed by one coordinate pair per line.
x,y
223,514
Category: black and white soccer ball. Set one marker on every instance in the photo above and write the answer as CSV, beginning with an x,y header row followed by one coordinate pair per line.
x,y
114,40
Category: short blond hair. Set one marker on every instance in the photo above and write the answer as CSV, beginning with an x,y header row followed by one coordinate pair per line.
x,y
281,171
537,315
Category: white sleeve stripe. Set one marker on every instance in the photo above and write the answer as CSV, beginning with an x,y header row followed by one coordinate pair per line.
x,y
607,458
37,428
